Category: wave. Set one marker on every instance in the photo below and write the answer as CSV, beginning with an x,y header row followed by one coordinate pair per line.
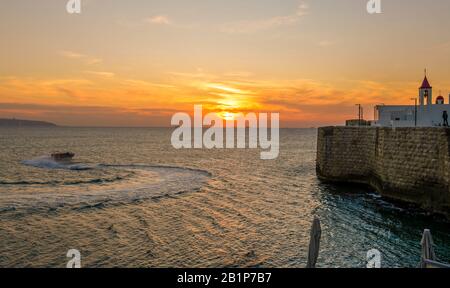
x,y
67,183
144,166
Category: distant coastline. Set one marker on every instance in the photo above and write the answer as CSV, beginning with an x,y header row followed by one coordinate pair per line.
x,y
25,123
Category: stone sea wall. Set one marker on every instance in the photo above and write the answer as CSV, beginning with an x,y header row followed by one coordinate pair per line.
x,y
407,164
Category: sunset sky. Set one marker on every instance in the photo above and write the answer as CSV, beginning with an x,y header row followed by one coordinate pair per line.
x,y
137,62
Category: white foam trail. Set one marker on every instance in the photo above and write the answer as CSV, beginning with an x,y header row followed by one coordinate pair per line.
x,y
147,182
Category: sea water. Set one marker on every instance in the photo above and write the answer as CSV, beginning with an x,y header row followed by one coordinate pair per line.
x,y
129,199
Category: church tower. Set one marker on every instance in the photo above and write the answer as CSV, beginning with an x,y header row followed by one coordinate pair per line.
x,y
426,92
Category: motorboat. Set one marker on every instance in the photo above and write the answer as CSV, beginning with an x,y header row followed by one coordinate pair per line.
x,y
63,156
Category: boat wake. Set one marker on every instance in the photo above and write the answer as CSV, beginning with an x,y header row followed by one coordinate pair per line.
x,y
111,185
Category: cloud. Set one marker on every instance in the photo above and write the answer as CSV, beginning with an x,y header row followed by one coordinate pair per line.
x,y
80,115
109,88
325,43
72,55
251,26
79,56
242,74
225,88
302,9
301,102
26,87
159,20
101,74
154,21
244,27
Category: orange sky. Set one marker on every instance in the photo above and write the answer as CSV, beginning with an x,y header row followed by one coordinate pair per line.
x,y
136,63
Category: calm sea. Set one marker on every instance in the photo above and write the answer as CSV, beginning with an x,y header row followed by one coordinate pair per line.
x,y
131,200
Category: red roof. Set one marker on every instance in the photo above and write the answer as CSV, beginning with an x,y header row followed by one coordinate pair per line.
x,y
425,84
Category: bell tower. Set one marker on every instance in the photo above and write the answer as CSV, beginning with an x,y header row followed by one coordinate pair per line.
x,y
426,92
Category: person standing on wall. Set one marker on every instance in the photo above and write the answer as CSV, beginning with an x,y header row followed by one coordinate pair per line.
x,y
445,116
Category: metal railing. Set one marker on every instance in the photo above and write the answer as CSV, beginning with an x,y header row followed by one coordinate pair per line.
x,y
429,264
428,258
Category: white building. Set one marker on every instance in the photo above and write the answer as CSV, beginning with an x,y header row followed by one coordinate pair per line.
x,y
426,114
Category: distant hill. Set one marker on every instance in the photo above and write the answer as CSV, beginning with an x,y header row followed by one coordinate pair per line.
x,y
24,123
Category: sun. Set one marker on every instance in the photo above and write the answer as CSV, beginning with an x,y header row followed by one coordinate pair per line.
x,y
228,116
